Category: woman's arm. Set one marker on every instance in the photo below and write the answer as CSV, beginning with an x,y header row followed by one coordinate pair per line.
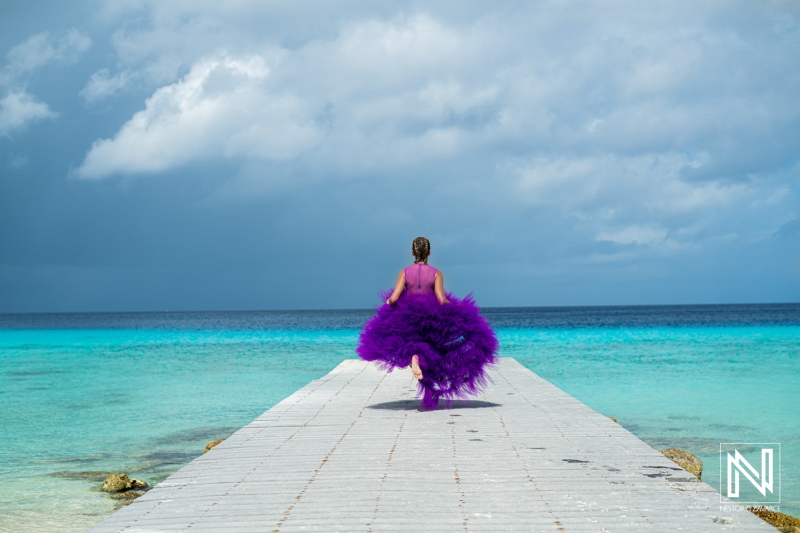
x,y
398,288
438,287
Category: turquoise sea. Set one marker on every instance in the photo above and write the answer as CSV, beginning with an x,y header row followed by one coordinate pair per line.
x,y
143,393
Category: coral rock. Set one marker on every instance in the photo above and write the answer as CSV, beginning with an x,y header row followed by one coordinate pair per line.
x,y
784,522
129,495
689,462
211,445
121,482
137,484
116,483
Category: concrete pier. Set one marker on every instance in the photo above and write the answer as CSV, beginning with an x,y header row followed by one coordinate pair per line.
x,y
351,452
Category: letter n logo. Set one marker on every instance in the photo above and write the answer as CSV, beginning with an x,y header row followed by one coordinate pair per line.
x,y
737,465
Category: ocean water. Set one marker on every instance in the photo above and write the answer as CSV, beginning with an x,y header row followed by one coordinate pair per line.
x,y
84,394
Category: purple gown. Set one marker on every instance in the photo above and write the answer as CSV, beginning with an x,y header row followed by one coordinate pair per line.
x,y
453,342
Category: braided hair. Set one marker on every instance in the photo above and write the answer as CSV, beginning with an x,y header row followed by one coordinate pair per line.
x,y
421,248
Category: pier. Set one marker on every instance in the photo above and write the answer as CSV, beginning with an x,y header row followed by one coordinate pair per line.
x,y
352,452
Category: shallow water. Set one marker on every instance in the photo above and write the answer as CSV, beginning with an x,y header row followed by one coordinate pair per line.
x,y
143,393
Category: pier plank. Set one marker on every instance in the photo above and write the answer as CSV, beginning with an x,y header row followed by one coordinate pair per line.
x,y
352,452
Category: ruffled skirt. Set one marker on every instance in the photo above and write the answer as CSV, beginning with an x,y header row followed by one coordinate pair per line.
x,y
454,344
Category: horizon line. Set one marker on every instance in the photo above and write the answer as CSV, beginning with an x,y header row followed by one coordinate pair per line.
x,y
372,309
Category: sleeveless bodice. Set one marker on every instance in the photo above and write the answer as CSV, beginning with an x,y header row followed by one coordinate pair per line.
x,y
419,279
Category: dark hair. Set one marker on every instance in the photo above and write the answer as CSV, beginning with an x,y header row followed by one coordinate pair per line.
x,y
421,248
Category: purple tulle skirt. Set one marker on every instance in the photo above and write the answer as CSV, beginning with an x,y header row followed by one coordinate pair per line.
x,y
454,344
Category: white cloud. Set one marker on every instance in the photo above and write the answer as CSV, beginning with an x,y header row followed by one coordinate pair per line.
x,y
18,109
645,200
222,108
590,186
654,128
636,234
375,86
101,85
391,53
41,49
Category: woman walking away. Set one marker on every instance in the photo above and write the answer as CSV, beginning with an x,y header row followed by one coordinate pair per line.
x,y
444,340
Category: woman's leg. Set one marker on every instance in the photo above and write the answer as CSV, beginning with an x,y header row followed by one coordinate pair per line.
x,y
415,369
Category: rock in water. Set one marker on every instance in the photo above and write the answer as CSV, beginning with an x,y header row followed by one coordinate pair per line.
x,y
128,495
613,419
116,483
121,482
211,445
784,522
137,484
689,462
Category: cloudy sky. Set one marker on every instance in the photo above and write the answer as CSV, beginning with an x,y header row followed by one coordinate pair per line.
x,y
183,155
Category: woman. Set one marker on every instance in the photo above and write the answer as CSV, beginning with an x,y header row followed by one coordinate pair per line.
x,y
443,339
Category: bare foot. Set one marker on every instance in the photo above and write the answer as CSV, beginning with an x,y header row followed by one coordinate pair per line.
x,y
415,369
